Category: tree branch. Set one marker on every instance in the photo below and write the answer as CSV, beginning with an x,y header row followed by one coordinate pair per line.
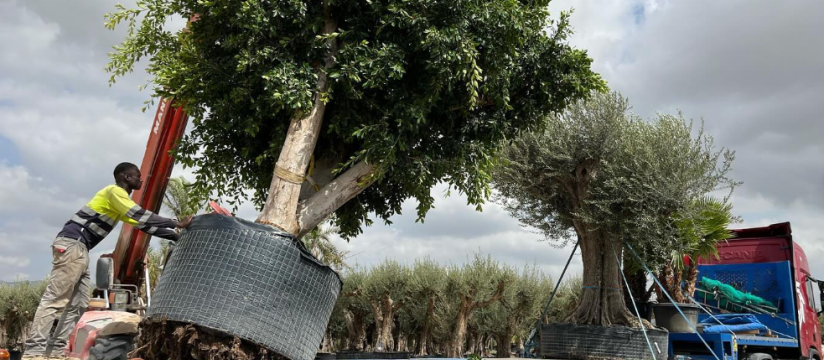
x,y
495,297
301,138
332,196
397,306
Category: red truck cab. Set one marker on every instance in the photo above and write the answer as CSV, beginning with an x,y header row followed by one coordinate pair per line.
x,y
773,246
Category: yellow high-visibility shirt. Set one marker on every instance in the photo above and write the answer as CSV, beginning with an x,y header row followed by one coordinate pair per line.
x,y
92,223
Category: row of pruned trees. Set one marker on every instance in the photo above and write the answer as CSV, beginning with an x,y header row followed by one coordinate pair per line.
x,y
427,308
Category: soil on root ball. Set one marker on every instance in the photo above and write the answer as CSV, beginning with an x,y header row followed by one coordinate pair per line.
x,y
171,340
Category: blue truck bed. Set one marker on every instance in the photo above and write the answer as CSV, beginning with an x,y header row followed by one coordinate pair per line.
x,y
691,345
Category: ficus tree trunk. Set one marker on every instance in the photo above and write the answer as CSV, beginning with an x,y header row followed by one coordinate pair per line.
x,y
284,207
468,305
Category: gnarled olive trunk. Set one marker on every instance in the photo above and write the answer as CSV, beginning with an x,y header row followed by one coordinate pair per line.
x,y
356,328
328,343
402,343
426,333
455,348
504,341
384,313
471,340
602,298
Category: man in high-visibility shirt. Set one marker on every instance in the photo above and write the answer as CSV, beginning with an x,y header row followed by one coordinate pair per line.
x,y
70,253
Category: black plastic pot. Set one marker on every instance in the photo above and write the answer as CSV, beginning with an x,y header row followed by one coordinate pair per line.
x,y
15,355
325,356
668,317
248,280
349,355
567,341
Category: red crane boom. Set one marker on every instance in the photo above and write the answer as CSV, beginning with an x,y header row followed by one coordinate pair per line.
x,y
168,127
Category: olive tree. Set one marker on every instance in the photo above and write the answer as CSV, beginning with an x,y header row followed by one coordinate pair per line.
x,y
427,284
356,310
386,290
309,104
520,306
475,285
606,177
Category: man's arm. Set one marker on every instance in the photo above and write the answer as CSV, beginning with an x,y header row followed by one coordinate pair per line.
x,y
140,218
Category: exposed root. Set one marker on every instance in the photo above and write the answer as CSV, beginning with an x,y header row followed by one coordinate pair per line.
x,y
591,312
170,340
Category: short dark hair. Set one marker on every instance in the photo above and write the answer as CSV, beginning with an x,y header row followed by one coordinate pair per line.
x,y
123,167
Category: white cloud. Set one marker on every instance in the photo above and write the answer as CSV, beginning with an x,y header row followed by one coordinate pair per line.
x,y
753,71
14,261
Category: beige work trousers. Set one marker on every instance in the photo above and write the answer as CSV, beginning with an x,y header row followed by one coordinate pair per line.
x,y
67,290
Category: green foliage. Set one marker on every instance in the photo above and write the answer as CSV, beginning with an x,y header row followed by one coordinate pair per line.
x,y
387,279
425,89
181,200
565,301
18,304
157,257
519,307
319,242
699,233
597,164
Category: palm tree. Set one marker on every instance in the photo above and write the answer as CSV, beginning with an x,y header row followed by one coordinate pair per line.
x,y
699,235
319,243
714,220
180,201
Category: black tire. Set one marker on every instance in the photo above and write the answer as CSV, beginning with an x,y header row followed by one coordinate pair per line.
x,y
814,355
111,348
758,356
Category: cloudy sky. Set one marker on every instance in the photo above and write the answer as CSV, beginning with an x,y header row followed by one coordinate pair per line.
x,y
752,70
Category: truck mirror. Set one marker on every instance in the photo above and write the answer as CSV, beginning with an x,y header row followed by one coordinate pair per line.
x,y
104,276
821,301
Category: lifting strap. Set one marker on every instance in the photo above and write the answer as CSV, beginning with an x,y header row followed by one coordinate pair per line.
x,y
663,290
531,337
634,305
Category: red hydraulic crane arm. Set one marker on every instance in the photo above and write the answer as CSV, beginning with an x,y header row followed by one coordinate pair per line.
x,y
168,127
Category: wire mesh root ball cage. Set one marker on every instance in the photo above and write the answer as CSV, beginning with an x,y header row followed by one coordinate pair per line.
x,y
248,280
567,341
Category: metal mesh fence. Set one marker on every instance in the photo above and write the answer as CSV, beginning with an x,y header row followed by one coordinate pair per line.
x,y
564,341
251,281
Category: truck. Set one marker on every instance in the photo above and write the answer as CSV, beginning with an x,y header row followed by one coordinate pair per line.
x,y
765,262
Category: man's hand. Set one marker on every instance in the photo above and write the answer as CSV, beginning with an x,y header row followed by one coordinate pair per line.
x,y
185,222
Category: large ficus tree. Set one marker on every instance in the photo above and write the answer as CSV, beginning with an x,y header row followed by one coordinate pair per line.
x,y
311,103
608,178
